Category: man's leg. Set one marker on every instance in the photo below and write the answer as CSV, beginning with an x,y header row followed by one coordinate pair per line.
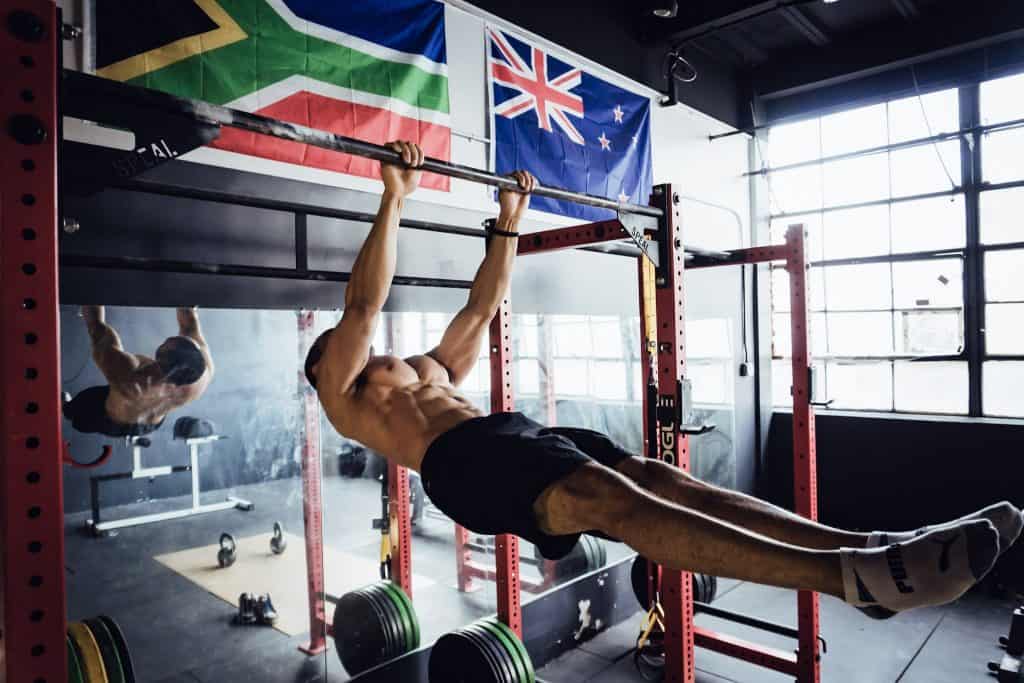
x,y
933,569
753,514
676,486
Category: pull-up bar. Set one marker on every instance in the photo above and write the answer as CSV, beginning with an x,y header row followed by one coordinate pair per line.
x,y
208,113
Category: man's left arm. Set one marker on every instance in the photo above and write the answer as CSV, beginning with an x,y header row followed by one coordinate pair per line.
x,y
460,345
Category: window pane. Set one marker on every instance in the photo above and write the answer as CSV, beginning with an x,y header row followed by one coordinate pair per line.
x,y
931,387
928,224
1001,394
863,179
859,386
571,377
1001,99
712,382
527,376
607,337
527,334
934,283
852,288
930,332
907,122
853,130
798,189
1002,216
1004,329
708,338
860,334
571,335
782,381
856,232
811,223
780,289
1003,281
924,169
609,380
1002,155
794,142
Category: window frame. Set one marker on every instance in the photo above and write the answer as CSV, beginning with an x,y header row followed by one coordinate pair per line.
x,y
973,137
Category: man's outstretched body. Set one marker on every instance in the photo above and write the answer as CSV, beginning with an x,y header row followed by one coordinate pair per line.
x,y
140,391
504,473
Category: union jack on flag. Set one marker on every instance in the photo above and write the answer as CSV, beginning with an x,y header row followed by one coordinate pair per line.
x,y
551,98
568,127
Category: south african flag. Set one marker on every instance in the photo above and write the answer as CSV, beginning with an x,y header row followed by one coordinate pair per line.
x,y
373,69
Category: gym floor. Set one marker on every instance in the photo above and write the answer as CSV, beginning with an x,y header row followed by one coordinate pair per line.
x,y
180,632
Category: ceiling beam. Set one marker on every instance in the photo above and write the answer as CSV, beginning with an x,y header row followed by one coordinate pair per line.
x,y
805,26
907,8
710,24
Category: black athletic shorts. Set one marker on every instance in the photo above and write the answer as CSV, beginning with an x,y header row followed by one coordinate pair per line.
x,y
88,414
487,473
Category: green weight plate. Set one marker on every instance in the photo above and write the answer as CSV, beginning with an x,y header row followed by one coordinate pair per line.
x,y
388,628
124,656
74,663
108,650
525,656
602,553
403,625
394,621
591,547
501,665
403,601
510,648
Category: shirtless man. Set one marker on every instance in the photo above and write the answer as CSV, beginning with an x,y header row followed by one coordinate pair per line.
x,y
504,473
140,391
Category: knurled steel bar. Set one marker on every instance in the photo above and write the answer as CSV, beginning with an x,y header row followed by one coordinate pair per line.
x,y
210,113
506,546
32,588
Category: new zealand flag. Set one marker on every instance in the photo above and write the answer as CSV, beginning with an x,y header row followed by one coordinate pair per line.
x,y
568,127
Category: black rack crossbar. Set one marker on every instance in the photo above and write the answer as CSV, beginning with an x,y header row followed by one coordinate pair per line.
x,y
206,112
169,266
746,620
622,248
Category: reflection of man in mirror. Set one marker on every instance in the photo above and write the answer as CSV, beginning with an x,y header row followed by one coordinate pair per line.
x,y
140,390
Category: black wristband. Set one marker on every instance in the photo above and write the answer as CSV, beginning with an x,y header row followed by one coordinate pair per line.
x,y
503,233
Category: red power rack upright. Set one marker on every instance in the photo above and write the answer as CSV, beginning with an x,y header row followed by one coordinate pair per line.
x,y
32,608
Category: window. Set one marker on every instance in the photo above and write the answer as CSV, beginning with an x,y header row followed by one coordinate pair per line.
x,y
893,241
1002,246
887,233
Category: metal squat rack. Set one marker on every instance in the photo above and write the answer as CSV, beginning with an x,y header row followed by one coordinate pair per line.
x,y
33,617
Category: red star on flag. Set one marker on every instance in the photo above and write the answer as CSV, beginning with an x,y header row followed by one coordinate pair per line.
x,y
605,142
618,113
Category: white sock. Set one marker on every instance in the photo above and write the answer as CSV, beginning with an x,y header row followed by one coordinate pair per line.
x,y
1004,516
932,569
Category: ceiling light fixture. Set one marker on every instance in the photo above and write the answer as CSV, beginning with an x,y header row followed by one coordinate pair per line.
x,y
665,9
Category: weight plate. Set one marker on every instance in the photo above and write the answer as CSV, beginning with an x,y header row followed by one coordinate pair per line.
x,y
358,634
602,553
501,667
394,617
92,660
507,661
387,628
456,659
518,644
122,648
591,549
74,663
108,650
521,675
402,627
403,601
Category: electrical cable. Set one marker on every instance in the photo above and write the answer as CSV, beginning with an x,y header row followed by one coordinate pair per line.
x,y
928,126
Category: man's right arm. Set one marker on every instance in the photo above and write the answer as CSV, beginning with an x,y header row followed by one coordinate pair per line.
x,y
348,346
114,362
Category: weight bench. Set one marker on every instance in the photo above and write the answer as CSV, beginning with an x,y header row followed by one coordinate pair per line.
x,y
194,432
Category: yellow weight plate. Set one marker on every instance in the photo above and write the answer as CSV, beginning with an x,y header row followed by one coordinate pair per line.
x,y
92,659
